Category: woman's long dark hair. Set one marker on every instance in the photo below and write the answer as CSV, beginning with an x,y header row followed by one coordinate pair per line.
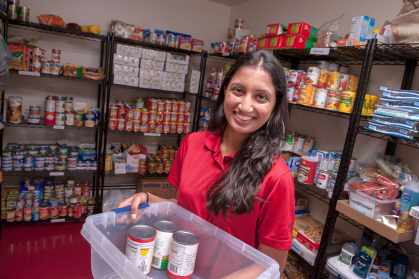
x,y
237,188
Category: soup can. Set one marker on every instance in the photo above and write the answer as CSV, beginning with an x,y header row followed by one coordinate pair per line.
x,y
324,75
183,251
307,170
333,82
56,55
306,96
113,112
296,95
36,66
322,179
301,78
313,75
186,128
238,23
320,96
120,125
136,126
60,118
137,114
292,78
45,67
140,246
23,14
13,11
15,109
347,99
333,100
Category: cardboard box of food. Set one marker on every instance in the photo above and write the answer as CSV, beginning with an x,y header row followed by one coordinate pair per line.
x,y
157,186
361,26
298,42
350,42
375,225
302,29
275,29
275,42
261,43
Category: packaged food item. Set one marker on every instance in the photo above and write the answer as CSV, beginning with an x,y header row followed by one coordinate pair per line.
x,y
138,33
73,26
92,73
20,57
306,96
347,100
181,265
52,20
185,43
129,31
274,29
302,29
197,45
95,29
297,42
140,246
70,70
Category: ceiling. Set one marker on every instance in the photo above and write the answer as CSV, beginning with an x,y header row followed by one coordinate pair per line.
x,y
230,3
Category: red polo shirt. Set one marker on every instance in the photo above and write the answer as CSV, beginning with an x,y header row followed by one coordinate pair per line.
x,y
199,160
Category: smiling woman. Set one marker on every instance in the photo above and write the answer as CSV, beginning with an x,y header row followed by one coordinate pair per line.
x,y
232,176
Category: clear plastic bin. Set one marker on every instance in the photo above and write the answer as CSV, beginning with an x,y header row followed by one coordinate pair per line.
x,y
369,205
219,253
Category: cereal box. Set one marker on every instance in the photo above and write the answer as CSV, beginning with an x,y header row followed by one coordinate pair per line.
x,y
185,43
197,45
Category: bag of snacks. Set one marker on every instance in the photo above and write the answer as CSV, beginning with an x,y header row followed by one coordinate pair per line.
x,y
92,73
52,20
381,190
70,70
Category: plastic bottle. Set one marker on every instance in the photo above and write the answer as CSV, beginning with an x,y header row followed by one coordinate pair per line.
x,y
399,269
403,222
410,196
362,265
347,254
396,209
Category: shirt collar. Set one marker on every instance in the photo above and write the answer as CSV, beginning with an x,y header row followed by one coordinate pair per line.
x,y
213,143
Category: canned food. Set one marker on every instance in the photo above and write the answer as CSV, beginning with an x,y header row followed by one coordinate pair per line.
x,y
183,251
347,99
56,55
144,116
306,96
15,109
113,112
140,245
90,119
165,230
128,125
333,100
35,213
290,93
238,23
166,128
59,118
78,119
173,128
120,126
159,119
324,76
313,75
353,83
136,126
144,127
137,114
122,112
186,128
13,12
333,82
151,127
175,106
45,67
152,116
366,106
320,96
167,106
129,113
179,128
54,67
344,81
36,66
159,128
180,118
69,118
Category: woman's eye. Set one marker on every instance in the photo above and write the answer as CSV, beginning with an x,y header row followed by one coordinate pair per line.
x,y
263,97
238,90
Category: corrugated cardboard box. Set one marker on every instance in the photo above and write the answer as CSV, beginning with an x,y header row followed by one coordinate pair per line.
x,y
157,186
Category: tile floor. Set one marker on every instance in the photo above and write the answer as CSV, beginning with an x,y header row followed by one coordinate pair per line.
x,y
47,251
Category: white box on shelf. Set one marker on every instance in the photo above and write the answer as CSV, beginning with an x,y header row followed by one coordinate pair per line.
x,y
126,80
129,50
173,86
154,55
107,234
133,161
126,60
177,58
176,68
150,83
192,81
301,250
369,206
152,64
336,268
119,164
126,70
154,74
361,26
171,76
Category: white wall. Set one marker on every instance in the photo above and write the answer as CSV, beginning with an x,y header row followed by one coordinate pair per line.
x,y
330,132
202,19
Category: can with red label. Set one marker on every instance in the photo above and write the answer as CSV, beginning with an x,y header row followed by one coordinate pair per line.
x,y
186,128
188,118
187,106
179,128
56,55
307,170
173,128
292,78
49,118
140,246
129,113
296,95
112,124
152,116
151,127
19,214
137,114
54,212
180,118
128,125
77,211
166,127
120,125
36,66
159,128
167,117
238,23
290,93
27,213
182,257
159,119
136,126
121,113
323,179
301,78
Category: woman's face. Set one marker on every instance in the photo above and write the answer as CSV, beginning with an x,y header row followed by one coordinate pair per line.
x,y
249,99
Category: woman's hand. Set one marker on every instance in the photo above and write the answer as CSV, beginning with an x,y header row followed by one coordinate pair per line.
x,y
134,201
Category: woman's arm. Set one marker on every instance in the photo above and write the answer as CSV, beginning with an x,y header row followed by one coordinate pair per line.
x,y
141,198
278,255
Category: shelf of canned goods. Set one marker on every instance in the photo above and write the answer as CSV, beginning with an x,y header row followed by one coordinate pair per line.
x,y
48,170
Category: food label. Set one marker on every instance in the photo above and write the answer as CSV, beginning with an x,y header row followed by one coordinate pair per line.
x,y
162,249
320,51
140,253
182,259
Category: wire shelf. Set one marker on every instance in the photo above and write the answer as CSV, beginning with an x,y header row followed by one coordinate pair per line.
x,y
153,90
394,139
16,72
153,46
55,30
313,190
229,57
25,124
144,134
383,55
324,111
209,100
47,173
48,221
135,174
300,263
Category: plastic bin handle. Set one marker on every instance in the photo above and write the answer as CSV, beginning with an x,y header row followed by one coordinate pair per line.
x,y
128,208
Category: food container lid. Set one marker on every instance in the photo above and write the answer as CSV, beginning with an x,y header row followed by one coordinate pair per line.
x,y
185,237
166,226
142,232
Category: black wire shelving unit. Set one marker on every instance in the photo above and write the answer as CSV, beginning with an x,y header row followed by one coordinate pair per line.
x,y
313,190
94,38
389,138
193,98
323,111
49,221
